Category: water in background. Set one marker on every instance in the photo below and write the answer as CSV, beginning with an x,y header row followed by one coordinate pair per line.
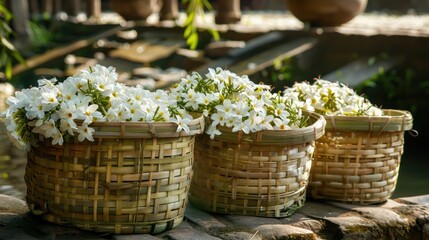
x,y
414,170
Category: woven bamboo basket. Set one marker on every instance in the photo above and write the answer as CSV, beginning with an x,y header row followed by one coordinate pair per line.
x,y
357,160
134,178
257,174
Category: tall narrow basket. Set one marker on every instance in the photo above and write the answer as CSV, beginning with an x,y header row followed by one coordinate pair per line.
x,y
357,160
257,174
134,178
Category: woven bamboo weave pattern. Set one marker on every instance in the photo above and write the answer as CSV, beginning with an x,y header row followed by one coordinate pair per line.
x,y
241,176
359,167
118,185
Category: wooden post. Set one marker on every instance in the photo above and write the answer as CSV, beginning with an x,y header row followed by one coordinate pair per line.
x,y
21,13
228,11
47,7
72,7
169,10
93,8
34,7
57,6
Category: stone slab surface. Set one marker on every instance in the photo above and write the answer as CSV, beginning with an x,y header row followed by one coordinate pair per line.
x,y
405,218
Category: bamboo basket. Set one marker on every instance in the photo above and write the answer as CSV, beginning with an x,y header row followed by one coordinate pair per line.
x,y
357,160
257,174
134,178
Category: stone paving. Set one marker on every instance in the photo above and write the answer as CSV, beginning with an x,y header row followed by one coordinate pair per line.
x,y
403,218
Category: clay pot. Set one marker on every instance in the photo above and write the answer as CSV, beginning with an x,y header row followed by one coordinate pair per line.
x,y
228,12
325,13
134,9
169,10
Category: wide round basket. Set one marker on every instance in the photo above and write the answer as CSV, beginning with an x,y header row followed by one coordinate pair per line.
x,y
134,178
257,174
357,160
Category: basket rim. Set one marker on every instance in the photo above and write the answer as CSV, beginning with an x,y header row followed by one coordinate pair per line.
x,y
147,129
393,120
290,136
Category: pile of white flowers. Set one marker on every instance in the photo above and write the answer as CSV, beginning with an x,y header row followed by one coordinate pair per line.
x,y
60,110
331,99
236,102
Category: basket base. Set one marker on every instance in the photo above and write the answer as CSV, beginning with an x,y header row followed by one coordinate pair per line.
x,y
247,207
121,228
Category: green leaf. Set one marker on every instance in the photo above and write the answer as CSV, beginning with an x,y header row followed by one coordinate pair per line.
x,y
190,19
7,44
5,28
8,69
188,31
18,57
192,41
194,8
7,15
215,34
207,4
3,56
191,38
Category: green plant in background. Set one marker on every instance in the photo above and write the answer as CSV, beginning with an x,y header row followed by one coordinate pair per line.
x,y
395,89
8,52
283,72
196,8
40,36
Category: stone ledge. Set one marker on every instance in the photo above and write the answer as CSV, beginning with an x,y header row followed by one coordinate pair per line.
x,y
404,218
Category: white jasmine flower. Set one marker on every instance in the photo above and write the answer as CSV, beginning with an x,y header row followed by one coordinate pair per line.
x,y
253,121
85,132
69,127
227,107
48,128
235,102
50,99
190,97
266,123
280,124
57,139
218,118
212,131
87,113
53,109
182,124
68,113
122,113
36,109
331,98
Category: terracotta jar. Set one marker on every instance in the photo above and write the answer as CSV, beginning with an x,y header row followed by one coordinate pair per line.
x,y
134,9
228,12
169,10
325,13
